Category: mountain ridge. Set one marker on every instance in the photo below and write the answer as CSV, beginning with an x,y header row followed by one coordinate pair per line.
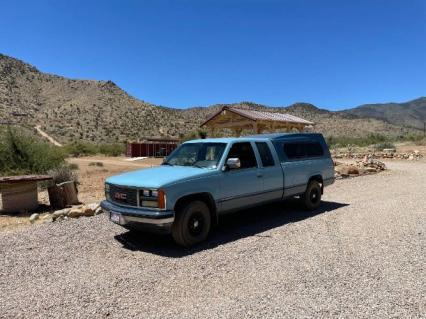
x,y
100,111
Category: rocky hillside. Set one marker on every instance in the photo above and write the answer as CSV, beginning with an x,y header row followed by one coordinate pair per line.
x,y
412,113
100,111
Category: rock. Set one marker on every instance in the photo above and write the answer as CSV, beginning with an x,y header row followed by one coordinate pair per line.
x,y
411,157
34,217
347,170
87,211
80,211
389,150
416,152
98,211
75,212
60,213
48,218
93,206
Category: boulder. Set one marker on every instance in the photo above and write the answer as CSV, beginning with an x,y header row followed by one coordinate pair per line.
x,y
75,212
347,170
60,213
389,150
48,218
80,211
98,211
34,217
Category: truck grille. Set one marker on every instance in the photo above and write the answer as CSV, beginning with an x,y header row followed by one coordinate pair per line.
x,y
123,195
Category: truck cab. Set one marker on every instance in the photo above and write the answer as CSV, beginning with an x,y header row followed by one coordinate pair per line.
x,y
206,178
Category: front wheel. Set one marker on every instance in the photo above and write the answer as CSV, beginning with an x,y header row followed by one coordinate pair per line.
x,y
311,199
192,224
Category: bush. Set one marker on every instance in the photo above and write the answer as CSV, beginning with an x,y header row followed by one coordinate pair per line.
x,y
383,145
99,164
115,149
355,141
73,166
63,174
23,153
79,148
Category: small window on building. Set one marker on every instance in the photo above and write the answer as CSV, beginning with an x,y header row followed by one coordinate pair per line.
x,y
245,153
265,154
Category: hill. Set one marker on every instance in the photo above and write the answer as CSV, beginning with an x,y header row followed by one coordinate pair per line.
x,y
410,114
100,111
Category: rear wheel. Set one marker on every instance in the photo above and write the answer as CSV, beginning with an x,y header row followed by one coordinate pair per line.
x,y
311,199
192,223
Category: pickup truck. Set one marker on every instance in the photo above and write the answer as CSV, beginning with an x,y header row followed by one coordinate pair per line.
x,y
203,179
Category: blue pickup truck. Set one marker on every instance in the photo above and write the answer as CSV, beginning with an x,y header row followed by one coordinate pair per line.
x,y
203,179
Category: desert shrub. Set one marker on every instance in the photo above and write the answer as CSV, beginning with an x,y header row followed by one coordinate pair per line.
x,y
342,141
383,145
24,153
63,174
115,149
99,164
79,148
73,166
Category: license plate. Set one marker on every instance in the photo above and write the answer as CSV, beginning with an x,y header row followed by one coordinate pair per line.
x,y
115,217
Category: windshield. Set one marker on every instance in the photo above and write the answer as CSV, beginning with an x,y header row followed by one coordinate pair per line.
x,y
203,155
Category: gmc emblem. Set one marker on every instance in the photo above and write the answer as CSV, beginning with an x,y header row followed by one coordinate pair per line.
x,y
121,196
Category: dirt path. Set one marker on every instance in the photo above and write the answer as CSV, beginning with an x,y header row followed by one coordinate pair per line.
x,y
361,255
45,135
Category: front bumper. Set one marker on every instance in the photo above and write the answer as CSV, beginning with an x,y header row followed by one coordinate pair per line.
x,y
138,217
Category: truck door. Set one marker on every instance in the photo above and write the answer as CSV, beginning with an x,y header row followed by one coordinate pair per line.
x,y
241,187
271,171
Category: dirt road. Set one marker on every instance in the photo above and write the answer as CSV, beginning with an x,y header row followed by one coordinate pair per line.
x,y
363,255
47,136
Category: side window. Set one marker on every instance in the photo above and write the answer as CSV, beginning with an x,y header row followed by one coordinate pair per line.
x,y
265,154
294,150
303,150
245,153
314,149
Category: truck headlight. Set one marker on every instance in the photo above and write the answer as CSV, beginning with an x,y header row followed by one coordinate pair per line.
x,y
152,198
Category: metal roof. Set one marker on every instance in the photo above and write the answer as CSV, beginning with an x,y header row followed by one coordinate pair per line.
x,y
256,137
268,116
262,116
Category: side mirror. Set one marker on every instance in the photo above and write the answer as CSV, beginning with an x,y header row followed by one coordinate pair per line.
x,y
232,163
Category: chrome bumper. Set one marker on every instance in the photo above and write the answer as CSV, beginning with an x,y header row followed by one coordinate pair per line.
x,y
129,215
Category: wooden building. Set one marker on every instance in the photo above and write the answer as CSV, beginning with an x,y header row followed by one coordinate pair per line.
x,y
238,119
151,147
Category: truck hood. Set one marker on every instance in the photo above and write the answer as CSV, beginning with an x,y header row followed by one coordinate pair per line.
x,y
158,176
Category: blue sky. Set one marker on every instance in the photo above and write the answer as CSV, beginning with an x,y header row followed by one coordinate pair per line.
x,y
334,54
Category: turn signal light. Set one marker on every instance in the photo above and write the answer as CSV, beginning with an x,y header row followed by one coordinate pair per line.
x,y
161,199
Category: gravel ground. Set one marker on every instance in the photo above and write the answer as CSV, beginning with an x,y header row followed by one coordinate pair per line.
x,y
362,255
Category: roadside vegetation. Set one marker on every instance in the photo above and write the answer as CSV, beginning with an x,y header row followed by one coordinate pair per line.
x,y
378,141
80,148
23,153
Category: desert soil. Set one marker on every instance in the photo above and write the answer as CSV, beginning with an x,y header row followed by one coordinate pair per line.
x,y
362,254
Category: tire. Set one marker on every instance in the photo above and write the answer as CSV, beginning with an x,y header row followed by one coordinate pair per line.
x,y
192,223
311,199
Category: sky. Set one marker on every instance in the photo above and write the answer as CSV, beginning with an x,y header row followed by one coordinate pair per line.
x,y
332,53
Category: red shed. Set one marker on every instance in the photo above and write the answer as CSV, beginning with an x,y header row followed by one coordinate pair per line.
x,y
151,147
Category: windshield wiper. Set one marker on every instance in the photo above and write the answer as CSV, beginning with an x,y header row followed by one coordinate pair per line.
x,y
199,166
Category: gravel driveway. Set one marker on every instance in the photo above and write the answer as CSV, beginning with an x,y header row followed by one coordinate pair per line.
x,y
363,254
